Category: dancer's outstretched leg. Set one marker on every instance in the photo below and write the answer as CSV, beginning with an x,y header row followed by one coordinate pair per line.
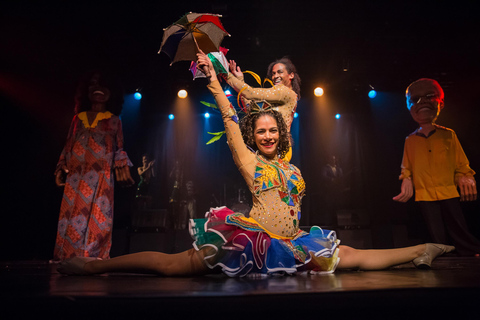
x,y
351,258
186,263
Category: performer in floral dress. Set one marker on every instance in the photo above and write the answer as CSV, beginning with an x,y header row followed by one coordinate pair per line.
x,y
94,148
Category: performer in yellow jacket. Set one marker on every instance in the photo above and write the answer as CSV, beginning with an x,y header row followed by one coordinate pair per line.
x,y
434,164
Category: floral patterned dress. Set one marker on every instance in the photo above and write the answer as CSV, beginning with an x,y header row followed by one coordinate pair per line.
x,y
91,153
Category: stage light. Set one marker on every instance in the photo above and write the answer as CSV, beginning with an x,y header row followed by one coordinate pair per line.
x,y
207,115
337,116
182,94
372,94
138,94
228,93
171,116
295,115
318,92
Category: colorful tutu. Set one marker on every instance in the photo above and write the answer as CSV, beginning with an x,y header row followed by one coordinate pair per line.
x,y
242,247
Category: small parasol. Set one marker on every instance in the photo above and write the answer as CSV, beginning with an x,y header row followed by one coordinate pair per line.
x,y
191,33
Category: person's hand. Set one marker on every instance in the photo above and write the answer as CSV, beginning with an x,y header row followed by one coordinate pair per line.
x,y
150,164
60,176
124,177
406,191
234,69
468,188
205,65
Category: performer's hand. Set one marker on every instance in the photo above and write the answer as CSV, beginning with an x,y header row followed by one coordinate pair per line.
x,y
406,191
468,188
235,70
60,176
205,65
124,177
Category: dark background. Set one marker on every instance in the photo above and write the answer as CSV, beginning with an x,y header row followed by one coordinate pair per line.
x,y
45,47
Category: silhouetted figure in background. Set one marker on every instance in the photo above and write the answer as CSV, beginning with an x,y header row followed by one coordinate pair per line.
x,y
146,173
332,175
187,206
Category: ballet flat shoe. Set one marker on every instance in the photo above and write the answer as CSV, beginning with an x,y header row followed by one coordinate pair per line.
x,y
75,266
432,251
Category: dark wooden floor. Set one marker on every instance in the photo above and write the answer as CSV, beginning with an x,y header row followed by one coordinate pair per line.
x,y
450,289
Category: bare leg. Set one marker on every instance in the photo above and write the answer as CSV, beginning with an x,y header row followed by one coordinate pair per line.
x,y
186,263
377,259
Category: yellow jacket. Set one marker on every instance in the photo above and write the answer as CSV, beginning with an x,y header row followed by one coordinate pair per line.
x,y
434,163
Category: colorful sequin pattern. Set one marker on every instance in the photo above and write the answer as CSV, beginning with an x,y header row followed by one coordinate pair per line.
x,y
279,187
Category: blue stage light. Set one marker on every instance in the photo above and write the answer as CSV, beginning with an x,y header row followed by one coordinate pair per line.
x,y
207,115
372,94
295,115
337,116
137,95
171,117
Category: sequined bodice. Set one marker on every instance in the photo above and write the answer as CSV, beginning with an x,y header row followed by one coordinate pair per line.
x,y
276,185
278,188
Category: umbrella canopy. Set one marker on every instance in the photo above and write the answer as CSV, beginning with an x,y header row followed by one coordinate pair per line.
x,y
183,39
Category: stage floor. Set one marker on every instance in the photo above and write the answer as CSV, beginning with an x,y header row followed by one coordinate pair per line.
x,y
450,289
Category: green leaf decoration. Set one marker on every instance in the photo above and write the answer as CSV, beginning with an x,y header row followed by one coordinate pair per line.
x,y
216,136
210,105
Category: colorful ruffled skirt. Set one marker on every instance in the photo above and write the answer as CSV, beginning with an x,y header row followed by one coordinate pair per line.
x,y
239,246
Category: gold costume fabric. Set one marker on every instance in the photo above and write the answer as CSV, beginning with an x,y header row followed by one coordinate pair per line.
x,y
283,99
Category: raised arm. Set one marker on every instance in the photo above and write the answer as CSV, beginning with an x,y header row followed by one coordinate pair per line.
x,y
243,157
284,98
277,94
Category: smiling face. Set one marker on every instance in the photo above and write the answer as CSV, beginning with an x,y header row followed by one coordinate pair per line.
x,y
280,75
424,100
96,92
266,136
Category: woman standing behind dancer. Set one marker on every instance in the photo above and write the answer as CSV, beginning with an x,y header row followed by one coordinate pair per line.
x,y
94,147
283,96
270,240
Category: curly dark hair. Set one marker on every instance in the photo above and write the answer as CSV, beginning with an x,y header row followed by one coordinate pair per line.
x,y
83,103
247,126
296,82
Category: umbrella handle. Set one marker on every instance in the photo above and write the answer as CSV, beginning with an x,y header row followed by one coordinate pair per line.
x,y
207,73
